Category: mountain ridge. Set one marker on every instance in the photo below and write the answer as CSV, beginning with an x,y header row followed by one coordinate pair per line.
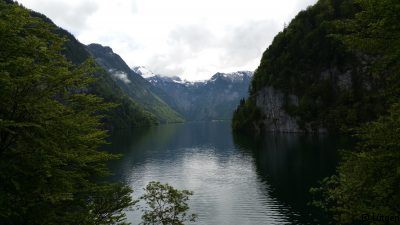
x,y
127,113
138,88
212,99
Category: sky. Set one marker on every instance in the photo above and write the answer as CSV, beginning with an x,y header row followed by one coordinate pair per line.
x,y
192,39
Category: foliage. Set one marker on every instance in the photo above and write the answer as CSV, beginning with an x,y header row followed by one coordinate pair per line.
x,y
138,89
309,59
165,205
50,164
246,116
109,203
375,32
368,179
127,113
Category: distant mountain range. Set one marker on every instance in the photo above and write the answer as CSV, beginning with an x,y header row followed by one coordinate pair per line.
x,y
143,98
172,99
213,99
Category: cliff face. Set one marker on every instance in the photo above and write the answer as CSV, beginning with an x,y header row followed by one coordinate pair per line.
x,y
274,104
275,118
308,81
279,109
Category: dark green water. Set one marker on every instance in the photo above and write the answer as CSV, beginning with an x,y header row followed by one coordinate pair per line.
x,y
235,179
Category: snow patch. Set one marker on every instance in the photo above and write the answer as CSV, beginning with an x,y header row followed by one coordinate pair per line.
x,y
233,77
143,71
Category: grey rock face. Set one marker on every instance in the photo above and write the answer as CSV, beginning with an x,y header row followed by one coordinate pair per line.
x,y
270,102
343,80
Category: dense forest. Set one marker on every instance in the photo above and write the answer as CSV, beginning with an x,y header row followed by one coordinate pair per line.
x,y
49,131
341,60
337,86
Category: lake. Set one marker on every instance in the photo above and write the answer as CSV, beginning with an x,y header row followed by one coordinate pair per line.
x,y
235,179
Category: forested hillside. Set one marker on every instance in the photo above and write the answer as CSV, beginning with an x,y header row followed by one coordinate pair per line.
x,y
126,113
135,86
309,81
336,66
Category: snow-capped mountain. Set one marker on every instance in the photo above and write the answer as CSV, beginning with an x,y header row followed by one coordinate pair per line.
x,y
239,76
174,79
213,99
143,71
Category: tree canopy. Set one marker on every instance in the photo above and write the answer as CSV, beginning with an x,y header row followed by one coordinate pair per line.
x,y
367,182
331,57
165,205
50,131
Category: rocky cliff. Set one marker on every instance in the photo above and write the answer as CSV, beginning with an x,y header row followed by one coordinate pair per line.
x,y
275,118
309,81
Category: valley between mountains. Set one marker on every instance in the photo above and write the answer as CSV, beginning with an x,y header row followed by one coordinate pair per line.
x,y
311,136
171,99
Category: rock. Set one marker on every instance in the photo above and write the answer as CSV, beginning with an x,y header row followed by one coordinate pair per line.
x,y
270,102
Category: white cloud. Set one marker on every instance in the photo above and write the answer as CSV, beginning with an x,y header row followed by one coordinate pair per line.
x,y
190,38
121,75
72,15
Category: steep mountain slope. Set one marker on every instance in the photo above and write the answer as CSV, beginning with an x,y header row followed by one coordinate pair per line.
x,y
127,113
213,99
133,84
308,81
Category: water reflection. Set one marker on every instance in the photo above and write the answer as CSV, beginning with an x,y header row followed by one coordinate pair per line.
x,y
236,180
292,164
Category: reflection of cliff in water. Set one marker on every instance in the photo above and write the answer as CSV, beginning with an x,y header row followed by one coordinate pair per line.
x,y
291,164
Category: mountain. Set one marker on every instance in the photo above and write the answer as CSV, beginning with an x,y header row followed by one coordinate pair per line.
x,y
135,86
213,99
127,112
143,71
309,81
137,103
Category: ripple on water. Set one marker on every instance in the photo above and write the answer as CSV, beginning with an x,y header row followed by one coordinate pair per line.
x,y
235,180
226,186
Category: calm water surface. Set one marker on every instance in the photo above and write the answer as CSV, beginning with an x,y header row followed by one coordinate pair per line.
x,y
235,179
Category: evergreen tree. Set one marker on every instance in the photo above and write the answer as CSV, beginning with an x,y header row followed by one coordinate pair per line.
x,y
368,179
367,183
50,132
